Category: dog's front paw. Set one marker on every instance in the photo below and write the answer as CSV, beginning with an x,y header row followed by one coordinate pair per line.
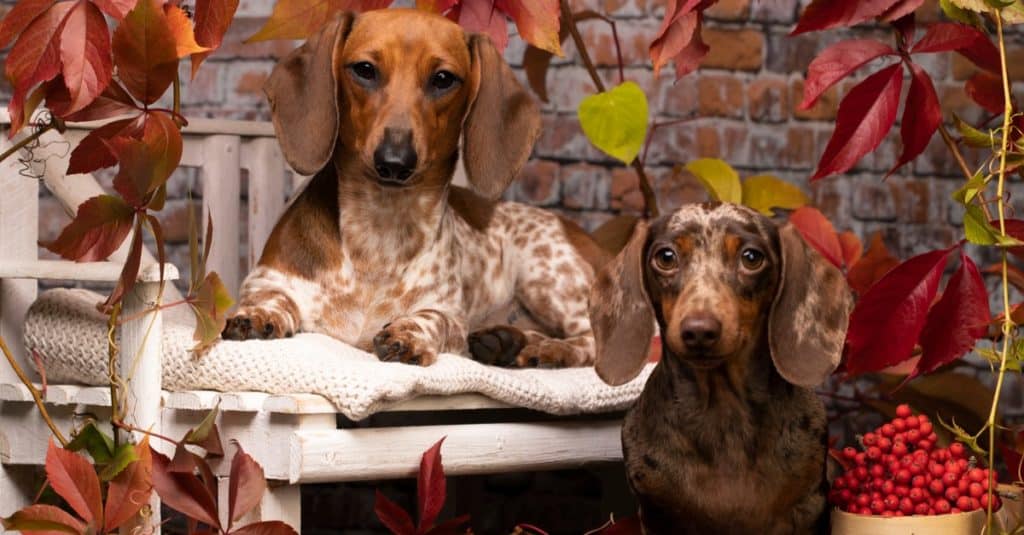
x,y
401,343
255,324
497,346
547,354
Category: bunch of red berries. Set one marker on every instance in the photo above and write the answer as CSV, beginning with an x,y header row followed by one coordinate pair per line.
x,y
900,472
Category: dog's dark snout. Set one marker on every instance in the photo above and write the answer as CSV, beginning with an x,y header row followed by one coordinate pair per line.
x,y
395,157
701,332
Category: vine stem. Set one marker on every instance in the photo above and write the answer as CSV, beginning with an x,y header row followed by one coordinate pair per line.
x,y
959,157
650,200
34,391
1007,320
32,137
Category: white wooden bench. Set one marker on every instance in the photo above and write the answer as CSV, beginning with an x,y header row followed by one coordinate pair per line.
x,y
297,438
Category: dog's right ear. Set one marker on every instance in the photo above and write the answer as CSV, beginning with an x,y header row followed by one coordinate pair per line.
x,y
303,94
621,313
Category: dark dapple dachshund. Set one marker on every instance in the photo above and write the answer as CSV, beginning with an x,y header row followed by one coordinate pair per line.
x,y
728,436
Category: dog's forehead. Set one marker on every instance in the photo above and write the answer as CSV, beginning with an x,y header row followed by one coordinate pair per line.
x,y
409,32
715,219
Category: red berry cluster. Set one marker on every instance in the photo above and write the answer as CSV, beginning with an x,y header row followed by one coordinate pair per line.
x,y
900,472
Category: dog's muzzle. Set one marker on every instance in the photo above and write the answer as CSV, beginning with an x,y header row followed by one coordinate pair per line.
x,y
395,157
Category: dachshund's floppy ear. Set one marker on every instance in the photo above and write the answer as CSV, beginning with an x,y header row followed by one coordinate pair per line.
x,y
502,123
621,313
303,94
807,325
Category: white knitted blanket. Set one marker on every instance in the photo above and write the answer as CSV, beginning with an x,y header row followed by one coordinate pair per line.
x,y
68,333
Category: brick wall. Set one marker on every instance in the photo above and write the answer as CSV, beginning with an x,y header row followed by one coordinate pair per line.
x,y
744,98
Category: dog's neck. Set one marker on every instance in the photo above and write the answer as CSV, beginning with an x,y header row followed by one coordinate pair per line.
x,y
402,222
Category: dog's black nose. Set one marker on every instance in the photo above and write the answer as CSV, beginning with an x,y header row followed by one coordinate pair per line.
x,y
395,157
701,332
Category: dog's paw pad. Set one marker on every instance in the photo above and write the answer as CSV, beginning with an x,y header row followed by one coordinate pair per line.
x,y
392,344
497,346
253,325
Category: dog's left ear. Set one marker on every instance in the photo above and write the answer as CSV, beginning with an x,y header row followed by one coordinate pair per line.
x,y
807,325
502,124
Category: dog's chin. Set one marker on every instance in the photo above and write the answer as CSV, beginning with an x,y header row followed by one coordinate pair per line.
x,y
703,361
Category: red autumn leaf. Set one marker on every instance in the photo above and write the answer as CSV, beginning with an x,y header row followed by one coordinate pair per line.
x,y
115,8
246,485
983,53
184,493
902,10
430,486
97,230
19,17
852,248
35,57
213,17
210,306
837,62
921,116
865,116
625,526
42,520
819,233
129,272
92,152
536,20
436,6
145,51
131,489
181,29
885,324
85,54
483,16
392,516
679,38
74,479
960,317
825,14
270,527
298,19
872,266
947,36
987,90
113,101
146,163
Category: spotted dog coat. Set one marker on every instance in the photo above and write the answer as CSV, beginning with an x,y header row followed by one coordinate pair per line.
x,y
379,250
728,436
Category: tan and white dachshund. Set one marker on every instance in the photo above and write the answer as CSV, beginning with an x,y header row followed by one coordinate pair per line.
x,y
728,437
380,250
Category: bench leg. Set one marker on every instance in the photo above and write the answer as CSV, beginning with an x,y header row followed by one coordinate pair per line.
x,y
281,501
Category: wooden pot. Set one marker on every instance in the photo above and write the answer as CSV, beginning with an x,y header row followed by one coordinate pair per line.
x,y
971,523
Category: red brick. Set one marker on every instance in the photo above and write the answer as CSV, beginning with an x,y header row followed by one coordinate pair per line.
x,y
823,110
233,45
708,145
913,199
729,10
874,200
720,95
768,99
675,186
634,42
625,191
538,183
774,10
585,186
733,49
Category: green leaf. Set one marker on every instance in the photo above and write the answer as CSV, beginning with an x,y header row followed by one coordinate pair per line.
x,y
206,436
764,192
972,136
719,178
1012,10
977,228
970,190
210,305
958,14
124,456
99,445
962,435
615,121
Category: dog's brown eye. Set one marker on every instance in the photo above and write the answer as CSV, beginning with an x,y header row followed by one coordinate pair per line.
x,y
364,70
666,259
442,80
752,258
